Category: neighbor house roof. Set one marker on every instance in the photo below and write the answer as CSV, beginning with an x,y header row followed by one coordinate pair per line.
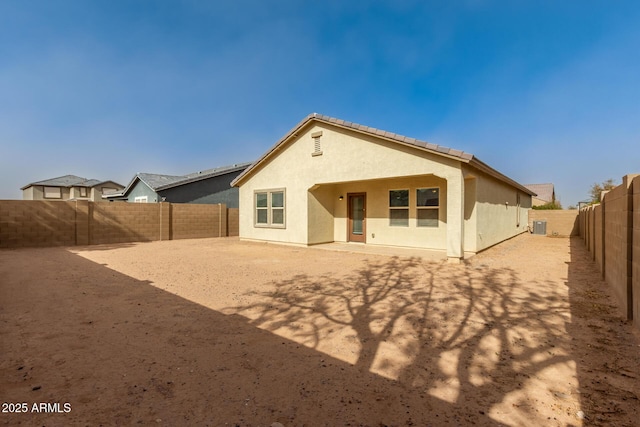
x,y
68,181
158,182
544,192
389,136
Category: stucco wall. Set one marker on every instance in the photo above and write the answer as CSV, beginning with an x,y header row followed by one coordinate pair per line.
x,y
470,215
378,229
349,158
27,193
498,215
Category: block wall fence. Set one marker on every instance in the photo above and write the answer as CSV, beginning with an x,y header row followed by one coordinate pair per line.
x,y
560,223
36,223
611,233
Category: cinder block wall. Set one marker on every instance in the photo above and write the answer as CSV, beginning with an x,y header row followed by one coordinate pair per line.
x,y
233,222
635,262
198,221
611,231
124,222
617,242
29,223
597,236
560,223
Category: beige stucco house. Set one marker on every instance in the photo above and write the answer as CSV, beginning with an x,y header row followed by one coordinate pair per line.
x,y
69,187
329,180
544,193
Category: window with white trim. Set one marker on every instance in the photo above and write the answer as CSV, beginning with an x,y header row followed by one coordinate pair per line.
x,y
269,208
141,199
399,208
52,193
427,207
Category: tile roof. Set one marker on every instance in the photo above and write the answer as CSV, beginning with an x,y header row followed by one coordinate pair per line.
x,y
68,181
423,145
544,192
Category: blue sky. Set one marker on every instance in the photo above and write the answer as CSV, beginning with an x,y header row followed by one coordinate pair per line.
x,y
543,91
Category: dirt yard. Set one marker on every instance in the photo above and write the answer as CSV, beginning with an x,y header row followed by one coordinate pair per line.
x,y
217,332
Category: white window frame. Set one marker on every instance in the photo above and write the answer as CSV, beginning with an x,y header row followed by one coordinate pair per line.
x,y
270,208
141,199
400,208
420,208
47,192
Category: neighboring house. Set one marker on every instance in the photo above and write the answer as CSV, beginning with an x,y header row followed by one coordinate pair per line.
x,y
544,193
69,187
206,187
329,180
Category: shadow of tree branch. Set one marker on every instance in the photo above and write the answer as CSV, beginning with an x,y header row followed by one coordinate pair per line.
x,y
455,332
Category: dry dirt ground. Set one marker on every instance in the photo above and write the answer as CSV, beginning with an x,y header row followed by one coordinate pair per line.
x,y
217,332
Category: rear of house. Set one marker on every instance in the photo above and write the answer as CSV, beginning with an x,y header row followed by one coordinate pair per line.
x,y
329,180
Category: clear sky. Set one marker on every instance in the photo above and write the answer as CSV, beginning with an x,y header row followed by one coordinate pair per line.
x,y
543,91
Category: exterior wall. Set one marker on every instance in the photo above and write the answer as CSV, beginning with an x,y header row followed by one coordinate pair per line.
x,y
140,189
470,215
121,223
27,193
233,222
611,231
29,223
348,158
597,237
207,191
42,223
98,191
537,202
197,221
378,230
321,207
617,242
560,223
36,192
498,215
635,262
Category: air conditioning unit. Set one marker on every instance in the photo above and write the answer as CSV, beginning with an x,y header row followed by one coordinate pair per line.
x,y
540,227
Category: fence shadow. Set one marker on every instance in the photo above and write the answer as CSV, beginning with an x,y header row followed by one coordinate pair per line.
x,y
121,351
395,342
604,344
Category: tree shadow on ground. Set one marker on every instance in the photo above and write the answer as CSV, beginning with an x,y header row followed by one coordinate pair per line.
x,y
472,337
121,351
